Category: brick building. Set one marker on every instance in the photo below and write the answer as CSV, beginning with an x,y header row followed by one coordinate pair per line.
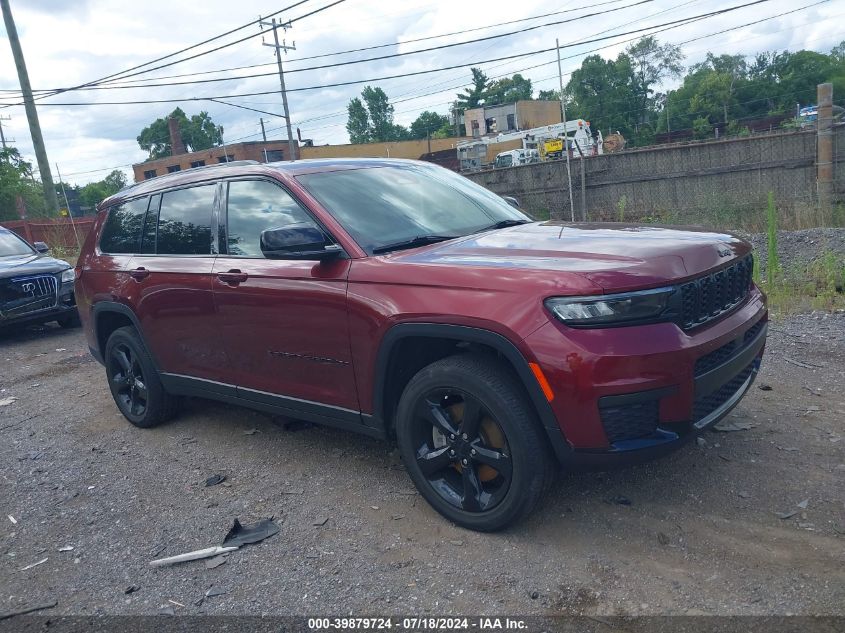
x,y
522,115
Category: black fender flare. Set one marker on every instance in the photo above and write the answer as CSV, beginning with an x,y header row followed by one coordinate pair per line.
x,y
102,307
473,335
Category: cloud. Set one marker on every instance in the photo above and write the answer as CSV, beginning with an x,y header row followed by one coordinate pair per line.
x,y
71,43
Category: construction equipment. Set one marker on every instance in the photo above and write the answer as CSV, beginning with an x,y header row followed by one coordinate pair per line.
x,y
545,143
513,157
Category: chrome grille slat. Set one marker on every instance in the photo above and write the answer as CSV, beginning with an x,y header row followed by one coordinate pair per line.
x,y
19,299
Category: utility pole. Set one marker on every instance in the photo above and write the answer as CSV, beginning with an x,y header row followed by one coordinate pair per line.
x,y
565,134
263,133
824,145
31,112
279,48
3,136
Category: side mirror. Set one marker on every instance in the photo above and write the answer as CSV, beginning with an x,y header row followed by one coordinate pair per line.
x,y
41,247
511,201
297,241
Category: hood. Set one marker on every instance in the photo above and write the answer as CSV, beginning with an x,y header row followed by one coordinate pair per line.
x,y
613,256
30,264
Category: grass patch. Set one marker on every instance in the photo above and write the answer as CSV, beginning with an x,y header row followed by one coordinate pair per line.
x,y
818,285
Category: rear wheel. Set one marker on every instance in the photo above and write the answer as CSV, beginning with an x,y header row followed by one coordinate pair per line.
x,y
134,382
471,442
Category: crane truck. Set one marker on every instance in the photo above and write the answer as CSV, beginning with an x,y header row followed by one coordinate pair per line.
x,y
537,144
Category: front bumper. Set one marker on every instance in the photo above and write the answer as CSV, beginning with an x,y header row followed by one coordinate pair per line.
x,y
629,394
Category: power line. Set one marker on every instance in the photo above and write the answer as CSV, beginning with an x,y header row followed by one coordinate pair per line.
x,y
372,59
662,27
95,83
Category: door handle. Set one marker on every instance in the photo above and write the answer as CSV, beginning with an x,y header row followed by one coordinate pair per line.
x,y
139,273
233,276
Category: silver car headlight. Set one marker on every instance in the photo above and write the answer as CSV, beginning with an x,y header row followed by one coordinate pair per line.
x,y
614,309
68,276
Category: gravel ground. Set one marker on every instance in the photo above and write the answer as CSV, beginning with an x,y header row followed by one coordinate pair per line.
x,y
703,531
798,248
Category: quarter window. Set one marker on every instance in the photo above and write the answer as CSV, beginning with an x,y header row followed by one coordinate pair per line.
x,y
122,229
184,224
254,206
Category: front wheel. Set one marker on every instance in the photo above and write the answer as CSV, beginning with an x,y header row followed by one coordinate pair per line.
x,y
471,442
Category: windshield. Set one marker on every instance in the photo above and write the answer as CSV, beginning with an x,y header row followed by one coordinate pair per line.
x,y
504,161
386,205
11,244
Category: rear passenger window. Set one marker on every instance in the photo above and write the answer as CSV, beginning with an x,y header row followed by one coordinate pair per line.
x,y
254,206
122,229
184,223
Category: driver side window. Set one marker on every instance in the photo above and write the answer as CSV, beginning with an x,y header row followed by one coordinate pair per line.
x,y
255,206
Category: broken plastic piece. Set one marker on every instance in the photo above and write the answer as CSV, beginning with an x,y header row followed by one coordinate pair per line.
x,y
240,535
214,480
208,552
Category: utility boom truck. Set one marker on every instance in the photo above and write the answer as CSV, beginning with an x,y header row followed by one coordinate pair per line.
x,y
538,144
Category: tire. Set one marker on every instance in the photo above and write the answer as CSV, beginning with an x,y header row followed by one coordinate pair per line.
x,y
455,475
69,321
134,382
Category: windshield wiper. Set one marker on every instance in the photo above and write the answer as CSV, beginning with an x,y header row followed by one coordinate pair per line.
x,y
502,224
419,240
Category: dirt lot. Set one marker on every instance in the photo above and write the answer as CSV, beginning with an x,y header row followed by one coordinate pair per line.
x,y
701,531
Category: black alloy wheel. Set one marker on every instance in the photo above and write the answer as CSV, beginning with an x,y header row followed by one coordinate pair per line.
x,y
471,442
461,450
134,381
127,380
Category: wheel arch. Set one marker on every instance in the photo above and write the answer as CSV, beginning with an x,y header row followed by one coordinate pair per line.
x,y
432,341
108,316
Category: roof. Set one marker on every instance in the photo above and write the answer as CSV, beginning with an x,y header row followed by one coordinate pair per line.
x,y
247,168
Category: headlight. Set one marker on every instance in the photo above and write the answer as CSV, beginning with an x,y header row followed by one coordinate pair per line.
x,y
68,276
617,309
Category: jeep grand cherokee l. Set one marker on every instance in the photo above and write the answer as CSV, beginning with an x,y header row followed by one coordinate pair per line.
x,y
401,300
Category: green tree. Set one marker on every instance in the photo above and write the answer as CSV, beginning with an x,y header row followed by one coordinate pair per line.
x,y
429,123
16,181
601,91
548,95
199,132
508,90
94,193
472,97
370,118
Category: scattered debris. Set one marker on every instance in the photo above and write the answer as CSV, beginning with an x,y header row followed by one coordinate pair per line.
x,y
621,501
214,480
66,548
728,426
252,432
803,504
293,491
166,611
12,519
213,591
240,535
701,441
787,449
25,610
216,561
798,363
534,595
61,349
5,402
457,543
178,604
743,494
131,589
787,515
764,387
662,538
43,560
374,507
724,457
208,552
321,520
396,517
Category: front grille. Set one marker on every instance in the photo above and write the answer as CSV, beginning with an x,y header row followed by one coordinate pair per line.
x,y
630,421
23,295
708,297
705,405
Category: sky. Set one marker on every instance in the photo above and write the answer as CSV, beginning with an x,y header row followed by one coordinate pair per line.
x,y
70,43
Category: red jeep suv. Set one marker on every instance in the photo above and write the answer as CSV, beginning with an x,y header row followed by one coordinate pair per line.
x,y
399,299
